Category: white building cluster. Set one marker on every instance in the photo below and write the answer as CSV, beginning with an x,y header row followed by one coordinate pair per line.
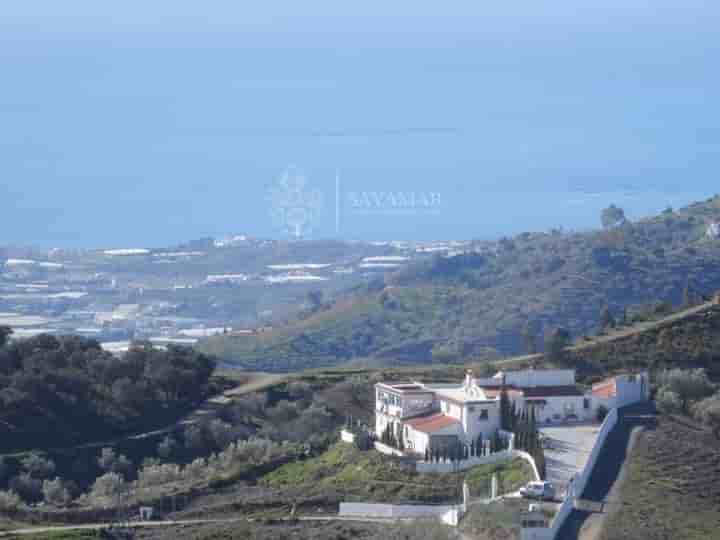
x,y
427,416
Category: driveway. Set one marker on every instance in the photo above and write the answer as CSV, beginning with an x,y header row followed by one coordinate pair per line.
x,y
567,451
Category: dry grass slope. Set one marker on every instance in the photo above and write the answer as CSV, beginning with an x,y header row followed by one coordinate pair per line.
x,y
672,489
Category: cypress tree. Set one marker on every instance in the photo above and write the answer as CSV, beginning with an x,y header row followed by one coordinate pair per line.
x,y
427,454
505,421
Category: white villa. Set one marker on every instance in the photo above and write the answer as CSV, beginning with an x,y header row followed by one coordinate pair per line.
x,y
432,415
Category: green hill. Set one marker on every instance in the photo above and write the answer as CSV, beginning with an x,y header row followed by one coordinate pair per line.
x,y
447,309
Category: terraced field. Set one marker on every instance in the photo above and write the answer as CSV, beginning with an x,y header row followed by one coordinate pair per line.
x,y
672,489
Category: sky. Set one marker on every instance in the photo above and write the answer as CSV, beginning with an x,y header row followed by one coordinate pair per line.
x,y
151,123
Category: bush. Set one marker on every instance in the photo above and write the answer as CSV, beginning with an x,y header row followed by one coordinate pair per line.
x,y
55,492
707,411
157,475
167,447
196,470
668,401
688,385
29,488
38,466
107,486
9,501
109,461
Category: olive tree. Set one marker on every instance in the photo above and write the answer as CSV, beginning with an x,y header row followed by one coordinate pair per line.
x,y
689,385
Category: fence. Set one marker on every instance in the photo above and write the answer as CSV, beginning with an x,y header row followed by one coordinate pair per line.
x,y
456,466
462,465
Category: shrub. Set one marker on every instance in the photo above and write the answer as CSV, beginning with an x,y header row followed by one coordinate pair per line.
x,y
707,411
108,485
9,501
668,401
167,447
196,470
38,466
55,492
158,475
29,488
109,461
688,385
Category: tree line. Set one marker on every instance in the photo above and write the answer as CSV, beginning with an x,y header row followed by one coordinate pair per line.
x,y
61,390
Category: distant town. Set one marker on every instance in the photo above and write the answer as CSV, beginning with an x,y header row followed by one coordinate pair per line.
x,y
185,293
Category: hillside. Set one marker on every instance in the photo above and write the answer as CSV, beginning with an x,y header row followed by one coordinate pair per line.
x,y
476,305
66,390
672,486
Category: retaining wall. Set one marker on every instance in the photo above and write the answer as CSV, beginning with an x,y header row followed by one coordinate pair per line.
x,y
576,487
581,479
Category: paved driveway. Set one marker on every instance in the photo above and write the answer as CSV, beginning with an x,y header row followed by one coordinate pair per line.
x,y
568,451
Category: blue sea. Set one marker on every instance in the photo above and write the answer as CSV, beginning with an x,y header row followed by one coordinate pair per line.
x,y
153,125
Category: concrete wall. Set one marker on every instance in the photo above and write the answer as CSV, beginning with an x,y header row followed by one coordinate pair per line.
x,y
581,479
395,511
540,377
536,534
632,388
387,450
577,486
346,436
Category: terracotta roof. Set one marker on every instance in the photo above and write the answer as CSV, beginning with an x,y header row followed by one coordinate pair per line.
x,y
430,424
605,389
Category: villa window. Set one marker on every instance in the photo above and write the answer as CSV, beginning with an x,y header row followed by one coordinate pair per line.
x,y
484,415
471,408
586,403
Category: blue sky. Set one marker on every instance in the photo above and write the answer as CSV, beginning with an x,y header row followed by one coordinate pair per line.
x,y
155,122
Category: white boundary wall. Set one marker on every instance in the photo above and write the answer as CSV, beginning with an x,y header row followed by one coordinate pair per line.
x,y
581,479
395,511
577,486
346,436
447,467
388,450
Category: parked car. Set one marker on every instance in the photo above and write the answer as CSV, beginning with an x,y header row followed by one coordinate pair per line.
x,y
538,490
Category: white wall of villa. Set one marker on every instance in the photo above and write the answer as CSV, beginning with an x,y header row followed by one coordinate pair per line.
x,y
426,415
